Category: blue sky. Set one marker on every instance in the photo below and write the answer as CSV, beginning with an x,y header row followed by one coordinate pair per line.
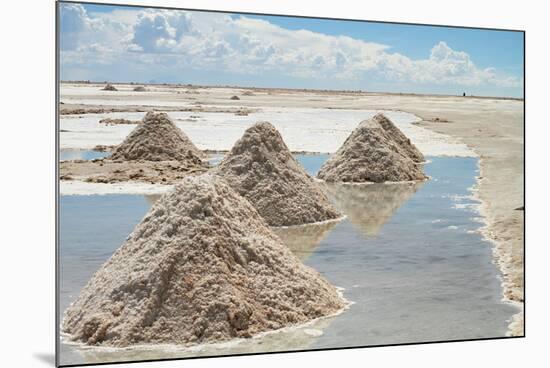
x,y
138,44
486,47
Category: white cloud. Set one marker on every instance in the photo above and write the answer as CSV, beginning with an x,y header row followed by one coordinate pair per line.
x,y
124,16
217,42
79,30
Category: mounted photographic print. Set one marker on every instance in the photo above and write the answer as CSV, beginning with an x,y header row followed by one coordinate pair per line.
x,y
233,183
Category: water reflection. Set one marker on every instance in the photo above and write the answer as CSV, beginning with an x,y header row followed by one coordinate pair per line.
x,y
302,240
370,206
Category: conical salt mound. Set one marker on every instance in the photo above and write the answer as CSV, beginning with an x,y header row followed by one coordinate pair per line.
x,y
202,266
109,87
374,152
157,139
261,168
407,148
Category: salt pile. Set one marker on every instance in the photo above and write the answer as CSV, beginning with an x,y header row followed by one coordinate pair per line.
x,y
261,168
140,89
401,139
111,121
202,266
376,151
157,138
109,87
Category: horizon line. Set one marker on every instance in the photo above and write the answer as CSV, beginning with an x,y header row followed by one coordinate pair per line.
x,y
290,89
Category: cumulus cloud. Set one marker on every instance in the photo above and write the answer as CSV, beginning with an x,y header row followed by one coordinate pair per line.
x,y
72,22
172,39
78,30
156,31
444,66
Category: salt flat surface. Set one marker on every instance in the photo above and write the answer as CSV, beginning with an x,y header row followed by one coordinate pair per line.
x,y
85,131
71,90
124,102
303,129
77,187
126,96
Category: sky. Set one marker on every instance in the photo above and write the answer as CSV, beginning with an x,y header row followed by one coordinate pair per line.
x,y
146,45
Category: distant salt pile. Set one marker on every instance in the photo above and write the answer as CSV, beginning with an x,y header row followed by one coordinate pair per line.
x,y
111,121
109,87
243,111
157,138
140,89
235,98
202,266
376,151
261,168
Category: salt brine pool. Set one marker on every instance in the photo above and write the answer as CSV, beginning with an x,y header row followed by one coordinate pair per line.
x,y
409,257
81,154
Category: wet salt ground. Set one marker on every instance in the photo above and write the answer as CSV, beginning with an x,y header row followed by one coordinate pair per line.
x,y
423,275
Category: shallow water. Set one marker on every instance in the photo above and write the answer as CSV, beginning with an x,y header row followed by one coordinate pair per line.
x,y
77,154
408,256
425,275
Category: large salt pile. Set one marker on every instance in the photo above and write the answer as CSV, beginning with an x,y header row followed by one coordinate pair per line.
x,y
202,266
157,138
401,139
376,151
261,168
